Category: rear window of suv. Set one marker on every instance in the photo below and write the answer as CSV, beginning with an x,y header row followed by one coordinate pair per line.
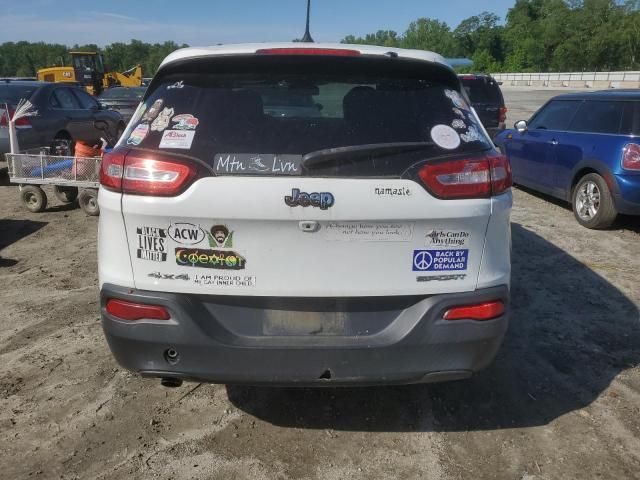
x,y
482,90
292,108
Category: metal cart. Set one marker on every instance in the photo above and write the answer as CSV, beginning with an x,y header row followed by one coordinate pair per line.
x,y
72,177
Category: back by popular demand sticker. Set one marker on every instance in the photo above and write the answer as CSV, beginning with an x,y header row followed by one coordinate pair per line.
x,y
440,260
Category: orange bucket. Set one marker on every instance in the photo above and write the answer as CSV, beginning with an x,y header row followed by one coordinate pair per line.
x,y
84,168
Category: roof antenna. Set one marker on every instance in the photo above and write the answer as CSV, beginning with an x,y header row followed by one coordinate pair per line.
x,y
307,36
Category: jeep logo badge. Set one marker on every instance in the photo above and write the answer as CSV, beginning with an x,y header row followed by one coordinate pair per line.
x,y
323,200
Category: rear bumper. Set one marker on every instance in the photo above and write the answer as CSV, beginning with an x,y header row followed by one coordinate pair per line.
x,y
627,198
391,340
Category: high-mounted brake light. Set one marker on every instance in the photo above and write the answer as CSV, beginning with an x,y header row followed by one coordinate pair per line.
x,y
335,52
481,311
467,178
140,173
125,310
631,157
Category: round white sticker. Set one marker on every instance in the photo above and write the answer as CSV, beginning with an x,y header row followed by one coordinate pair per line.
x,y
445,137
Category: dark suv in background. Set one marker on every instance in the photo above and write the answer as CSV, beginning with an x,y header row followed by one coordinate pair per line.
x,y
486,97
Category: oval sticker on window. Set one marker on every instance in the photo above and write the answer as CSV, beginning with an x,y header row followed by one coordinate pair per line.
x,y
445,137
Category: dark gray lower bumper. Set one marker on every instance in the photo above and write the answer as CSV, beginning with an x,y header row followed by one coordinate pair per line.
x,y
257,340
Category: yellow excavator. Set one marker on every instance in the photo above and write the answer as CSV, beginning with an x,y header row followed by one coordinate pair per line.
x,y
88,71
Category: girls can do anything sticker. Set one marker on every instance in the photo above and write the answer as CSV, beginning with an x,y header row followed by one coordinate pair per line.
x,y
445,137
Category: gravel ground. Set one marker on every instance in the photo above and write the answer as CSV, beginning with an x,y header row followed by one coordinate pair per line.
x,y
561,400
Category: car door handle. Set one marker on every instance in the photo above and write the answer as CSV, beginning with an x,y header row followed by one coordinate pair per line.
x,y
553,141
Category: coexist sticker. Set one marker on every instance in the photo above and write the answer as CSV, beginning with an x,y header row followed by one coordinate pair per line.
x,y
138,135
221,259
445,137
439,260
177,139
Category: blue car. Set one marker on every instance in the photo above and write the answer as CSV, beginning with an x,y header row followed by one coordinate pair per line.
x,y
583,148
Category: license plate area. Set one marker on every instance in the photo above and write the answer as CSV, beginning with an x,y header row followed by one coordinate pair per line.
x,y
288,323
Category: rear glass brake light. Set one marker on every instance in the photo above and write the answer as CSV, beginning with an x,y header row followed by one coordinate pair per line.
x,y
336,52
467,178
631,157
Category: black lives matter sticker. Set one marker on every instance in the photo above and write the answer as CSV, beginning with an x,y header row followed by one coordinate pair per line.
x,y
152,244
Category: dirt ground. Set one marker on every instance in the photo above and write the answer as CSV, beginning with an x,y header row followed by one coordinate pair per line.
x,y
561,400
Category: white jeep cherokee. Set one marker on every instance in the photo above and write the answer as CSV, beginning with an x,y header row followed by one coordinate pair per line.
x,y
308,214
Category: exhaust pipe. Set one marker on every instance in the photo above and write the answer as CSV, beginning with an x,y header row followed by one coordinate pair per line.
x,y
170,382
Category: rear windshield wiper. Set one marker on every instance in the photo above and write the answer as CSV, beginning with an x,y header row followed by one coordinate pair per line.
x,y
359,151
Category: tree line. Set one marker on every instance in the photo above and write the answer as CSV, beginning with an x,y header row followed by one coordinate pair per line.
x,y
536,36
23,59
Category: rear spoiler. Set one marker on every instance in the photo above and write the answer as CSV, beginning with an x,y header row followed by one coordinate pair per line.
x,y
459,62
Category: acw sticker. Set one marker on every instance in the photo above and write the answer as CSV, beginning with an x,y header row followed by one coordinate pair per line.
x,y
186,233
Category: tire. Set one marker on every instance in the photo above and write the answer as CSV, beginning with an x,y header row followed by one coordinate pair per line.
x,y
88,200
66,194
33,197
592,202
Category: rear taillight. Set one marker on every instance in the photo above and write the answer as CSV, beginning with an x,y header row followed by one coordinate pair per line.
x,y
631,157
125,310
335,52
140,173
467,178
481,311
502,115
21,122
501,179
111,169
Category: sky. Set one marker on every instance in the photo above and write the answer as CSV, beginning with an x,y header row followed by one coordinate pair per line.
x,y
207,22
